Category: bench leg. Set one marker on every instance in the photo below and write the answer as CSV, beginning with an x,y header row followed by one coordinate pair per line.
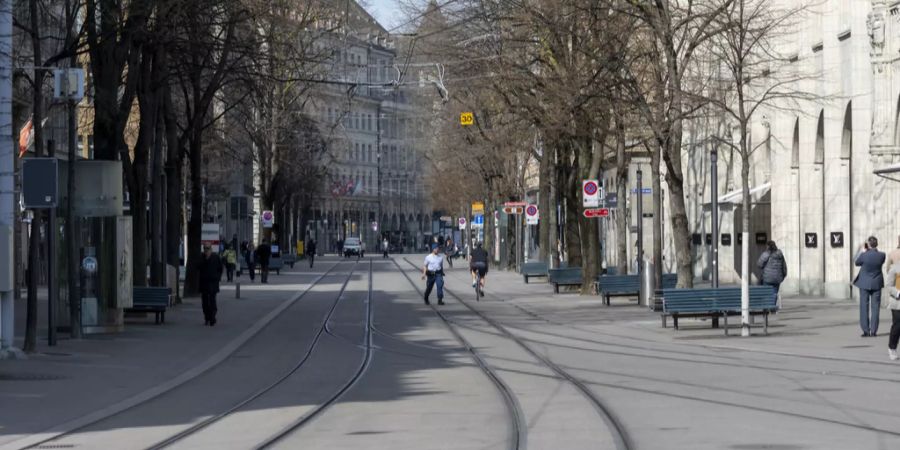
x,y
715,322
526,279
663,320
606,300
163,314
157,318
555,288
766,316
726,323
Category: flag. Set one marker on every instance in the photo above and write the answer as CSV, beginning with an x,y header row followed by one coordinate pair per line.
x,y
26,137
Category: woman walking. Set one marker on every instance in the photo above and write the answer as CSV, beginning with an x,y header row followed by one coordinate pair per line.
x,y
894,306
773,267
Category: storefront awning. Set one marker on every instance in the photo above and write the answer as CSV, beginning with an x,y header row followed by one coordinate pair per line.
x,y
735,196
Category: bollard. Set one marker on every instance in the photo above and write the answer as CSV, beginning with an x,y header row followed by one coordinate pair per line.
x,y
237,289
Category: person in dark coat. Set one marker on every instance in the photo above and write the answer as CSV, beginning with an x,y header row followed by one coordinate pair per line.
x,y
773,267
263,254
311,251
870,281
210,273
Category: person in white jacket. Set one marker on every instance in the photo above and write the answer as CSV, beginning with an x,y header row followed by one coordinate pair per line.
x,y
894,306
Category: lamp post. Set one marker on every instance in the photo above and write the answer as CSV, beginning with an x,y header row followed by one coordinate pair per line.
x,y
714,181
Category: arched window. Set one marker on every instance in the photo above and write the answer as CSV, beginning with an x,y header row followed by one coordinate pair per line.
x,y
795,146
820,140
847,135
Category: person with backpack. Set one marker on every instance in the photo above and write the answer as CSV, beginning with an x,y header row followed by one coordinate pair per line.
x,y
229,257
773,267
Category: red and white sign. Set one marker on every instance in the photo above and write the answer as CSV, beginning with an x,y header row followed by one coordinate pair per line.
x,y
531,215
267,219
462,223
596,212
513,204
514,209
591,191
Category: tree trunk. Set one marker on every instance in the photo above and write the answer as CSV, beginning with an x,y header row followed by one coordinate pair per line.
x,y
34,243
678,211
174,191
745,232
572,207
590,234
195,223
545,230
553,208
622,194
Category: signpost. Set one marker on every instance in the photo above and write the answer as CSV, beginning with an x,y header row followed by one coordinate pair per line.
x,y
531,215
513,209
478,221
591,193
267,219
209,235
591,213
462,223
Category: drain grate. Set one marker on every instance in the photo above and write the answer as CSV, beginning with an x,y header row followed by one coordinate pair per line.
x,y
29,377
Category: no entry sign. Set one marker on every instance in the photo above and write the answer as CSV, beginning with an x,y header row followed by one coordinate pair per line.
x,y
591,193
596,212
531,215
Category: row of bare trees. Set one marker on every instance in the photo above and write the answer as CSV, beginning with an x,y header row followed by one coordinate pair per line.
x,y
173,84
582,86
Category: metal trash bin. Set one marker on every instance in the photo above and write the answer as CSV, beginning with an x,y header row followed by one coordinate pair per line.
x,y
648,285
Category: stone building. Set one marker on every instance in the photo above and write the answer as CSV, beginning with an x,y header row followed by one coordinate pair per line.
x,y
374,188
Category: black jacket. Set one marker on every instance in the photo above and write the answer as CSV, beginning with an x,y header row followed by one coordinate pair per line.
x,y
263,253
773,266
210,273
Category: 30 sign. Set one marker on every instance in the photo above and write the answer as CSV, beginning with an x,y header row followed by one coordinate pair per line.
x,y
466,118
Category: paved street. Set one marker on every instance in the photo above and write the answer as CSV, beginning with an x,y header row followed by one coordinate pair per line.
x,y
347,356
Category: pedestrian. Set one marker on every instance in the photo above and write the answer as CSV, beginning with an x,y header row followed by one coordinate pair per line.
x,y
448,250
210,273
870,281
250,259
434,273
385,248
773,267
894,305
263,254
311,251
894,256
229,257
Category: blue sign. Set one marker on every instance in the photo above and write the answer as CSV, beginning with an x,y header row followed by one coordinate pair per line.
x,y
478,221
645,190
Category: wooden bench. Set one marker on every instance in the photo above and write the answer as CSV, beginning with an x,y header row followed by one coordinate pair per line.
x,y
289,259
628,285
150,299
717,302
569,276
534,269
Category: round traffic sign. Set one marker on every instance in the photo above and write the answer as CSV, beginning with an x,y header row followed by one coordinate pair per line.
x,y
531,210
267,215
89,264
462,221
590,188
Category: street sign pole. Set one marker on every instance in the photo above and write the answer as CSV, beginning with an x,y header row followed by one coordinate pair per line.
x,y
640,223
714,180
52,282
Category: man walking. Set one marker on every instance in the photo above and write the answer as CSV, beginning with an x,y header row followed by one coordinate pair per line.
x,y
869,280
385,248
311,251
210,273
263,254
434,273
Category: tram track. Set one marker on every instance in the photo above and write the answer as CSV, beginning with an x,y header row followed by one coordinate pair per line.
x,y
666,393
305,419
519,428
50,441
616,428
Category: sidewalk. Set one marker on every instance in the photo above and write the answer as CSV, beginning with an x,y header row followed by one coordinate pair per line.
x,y
805,326
78,377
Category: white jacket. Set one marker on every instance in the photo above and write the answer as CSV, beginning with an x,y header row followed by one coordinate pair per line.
x,y
893,292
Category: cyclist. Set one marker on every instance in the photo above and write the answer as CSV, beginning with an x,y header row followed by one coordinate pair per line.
x,y
478,263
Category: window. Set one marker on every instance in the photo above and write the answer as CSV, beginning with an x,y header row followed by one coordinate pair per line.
x,y
369,121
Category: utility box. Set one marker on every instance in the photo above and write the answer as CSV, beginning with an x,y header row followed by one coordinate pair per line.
x,y
6,254
40,183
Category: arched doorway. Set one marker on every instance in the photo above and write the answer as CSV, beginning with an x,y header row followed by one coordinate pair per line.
x,y
812,212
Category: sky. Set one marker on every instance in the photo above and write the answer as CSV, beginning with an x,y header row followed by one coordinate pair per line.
x,y
385,11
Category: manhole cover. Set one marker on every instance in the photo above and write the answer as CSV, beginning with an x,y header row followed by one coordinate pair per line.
x,y
29,377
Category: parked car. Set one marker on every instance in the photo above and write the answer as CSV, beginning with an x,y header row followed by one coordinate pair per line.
x,y
353,247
